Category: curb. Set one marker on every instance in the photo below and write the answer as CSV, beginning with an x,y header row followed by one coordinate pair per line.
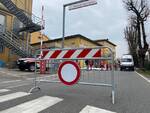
x,y
143,77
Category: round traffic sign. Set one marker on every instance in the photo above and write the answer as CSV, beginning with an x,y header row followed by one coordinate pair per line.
x,y
69,72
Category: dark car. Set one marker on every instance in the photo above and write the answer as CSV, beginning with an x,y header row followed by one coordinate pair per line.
x,y
26,63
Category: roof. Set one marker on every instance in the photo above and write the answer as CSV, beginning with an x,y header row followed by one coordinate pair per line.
x,y
70,37
107,40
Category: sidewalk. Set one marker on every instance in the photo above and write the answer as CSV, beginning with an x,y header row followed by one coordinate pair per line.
x,y
145,78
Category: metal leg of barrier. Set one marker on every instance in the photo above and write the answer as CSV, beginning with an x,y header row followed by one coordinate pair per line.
x,y
49,67
35,87
113,97
113,83
94,84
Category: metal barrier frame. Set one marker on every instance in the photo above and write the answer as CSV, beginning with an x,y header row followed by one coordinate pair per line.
x,y
111,58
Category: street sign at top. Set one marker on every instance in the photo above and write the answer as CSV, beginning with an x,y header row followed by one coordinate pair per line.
x,y
83,3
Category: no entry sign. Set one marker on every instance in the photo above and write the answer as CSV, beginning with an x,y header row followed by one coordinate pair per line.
x,y
69,72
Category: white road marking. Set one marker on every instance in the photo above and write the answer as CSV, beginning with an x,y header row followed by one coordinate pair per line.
x,y
12,96
13,75
4,90
10,87
143,77
91,109
19,74
4,82
43,77
34,106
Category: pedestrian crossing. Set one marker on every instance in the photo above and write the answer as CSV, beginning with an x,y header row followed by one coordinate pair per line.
x,y
4,90
34,106
38,104
11,96
91,109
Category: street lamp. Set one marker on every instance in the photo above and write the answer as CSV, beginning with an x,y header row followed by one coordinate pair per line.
x,y
72,6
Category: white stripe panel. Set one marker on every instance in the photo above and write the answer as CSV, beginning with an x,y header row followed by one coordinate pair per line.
x,y
91,109
34,106
76,53
91,53
12,96
49,54
4,90
62,54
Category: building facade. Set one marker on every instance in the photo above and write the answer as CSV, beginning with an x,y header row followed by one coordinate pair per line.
x,y
107,43
73,41
37,37
15,21
78,41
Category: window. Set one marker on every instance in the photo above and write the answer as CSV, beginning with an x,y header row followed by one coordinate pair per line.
x,y
16,26
1,48
126,60
2,22
11,52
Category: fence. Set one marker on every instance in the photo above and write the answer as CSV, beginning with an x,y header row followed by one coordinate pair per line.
x,y
96,67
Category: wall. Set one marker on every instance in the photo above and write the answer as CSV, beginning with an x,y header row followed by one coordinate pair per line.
x,y
85,43
4,56
24,4
7,55
36,37
105,43
76,42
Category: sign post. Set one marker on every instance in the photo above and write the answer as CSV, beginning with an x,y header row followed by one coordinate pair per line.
x,y
72,6
82,4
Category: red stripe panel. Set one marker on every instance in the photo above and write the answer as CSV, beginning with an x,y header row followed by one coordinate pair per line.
x,y
84,53
97,54
44,53
69,54
55,54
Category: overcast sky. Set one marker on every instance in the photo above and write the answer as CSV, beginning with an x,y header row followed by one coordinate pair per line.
x,y
105,20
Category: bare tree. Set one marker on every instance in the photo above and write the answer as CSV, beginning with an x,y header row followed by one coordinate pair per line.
x,y
140,10
131,38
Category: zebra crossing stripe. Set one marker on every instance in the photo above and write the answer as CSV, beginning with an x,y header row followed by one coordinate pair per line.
x,y
34,106
5,82
4,90
12,96
91,109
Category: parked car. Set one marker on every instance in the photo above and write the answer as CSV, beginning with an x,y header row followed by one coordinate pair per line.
x,y
26,63
29,63
127,63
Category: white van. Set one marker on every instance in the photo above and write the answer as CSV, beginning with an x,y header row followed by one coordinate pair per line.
x,y
127,63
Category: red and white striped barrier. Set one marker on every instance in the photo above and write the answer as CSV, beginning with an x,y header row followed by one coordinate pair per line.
x,y
87,53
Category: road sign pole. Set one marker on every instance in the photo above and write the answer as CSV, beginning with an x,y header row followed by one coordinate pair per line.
x,y
63,32
88,3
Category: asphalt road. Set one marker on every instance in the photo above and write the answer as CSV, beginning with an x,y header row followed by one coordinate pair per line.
x,y
132,94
